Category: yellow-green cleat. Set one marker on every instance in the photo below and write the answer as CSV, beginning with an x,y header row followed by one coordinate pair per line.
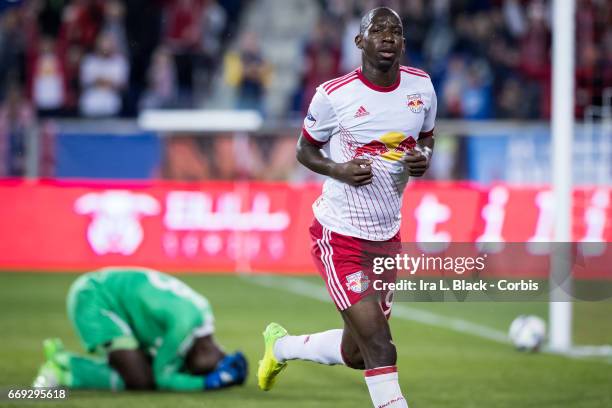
x,y
269,367
51,347
51,374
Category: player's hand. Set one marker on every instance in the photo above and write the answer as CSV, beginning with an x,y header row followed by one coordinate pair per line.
x,y
357,172
232,370
416,163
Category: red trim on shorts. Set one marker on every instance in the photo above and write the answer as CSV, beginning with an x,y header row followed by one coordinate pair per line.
x,y
380,371
341,84
429,133
336,287
311,139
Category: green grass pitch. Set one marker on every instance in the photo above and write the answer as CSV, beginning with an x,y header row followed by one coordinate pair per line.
x,y
438,367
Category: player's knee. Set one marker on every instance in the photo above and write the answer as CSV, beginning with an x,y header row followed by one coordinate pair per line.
x,y
353,358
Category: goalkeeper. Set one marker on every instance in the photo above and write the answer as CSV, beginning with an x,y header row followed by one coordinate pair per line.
x,y
143,330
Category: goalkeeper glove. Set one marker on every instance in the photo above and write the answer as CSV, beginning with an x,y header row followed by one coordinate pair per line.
x,y
231,370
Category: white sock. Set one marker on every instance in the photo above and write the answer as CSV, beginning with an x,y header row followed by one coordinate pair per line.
x,y
322,348
384,387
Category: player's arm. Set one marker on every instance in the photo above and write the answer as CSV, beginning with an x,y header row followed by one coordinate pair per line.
x,y
356,172
316,132
418,160
169,361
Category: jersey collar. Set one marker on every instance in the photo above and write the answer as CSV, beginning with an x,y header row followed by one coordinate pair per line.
x,y
378,88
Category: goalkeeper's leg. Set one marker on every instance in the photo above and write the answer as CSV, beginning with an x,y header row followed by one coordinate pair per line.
x,y
71,370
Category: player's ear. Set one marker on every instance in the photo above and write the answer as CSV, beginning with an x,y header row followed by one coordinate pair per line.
x,y
358,41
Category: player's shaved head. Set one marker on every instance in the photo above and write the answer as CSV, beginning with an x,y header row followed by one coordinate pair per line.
x,y
381,39
366,20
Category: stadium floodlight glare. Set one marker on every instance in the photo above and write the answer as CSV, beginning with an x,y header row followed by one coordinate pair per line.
x,y
193,120
562,128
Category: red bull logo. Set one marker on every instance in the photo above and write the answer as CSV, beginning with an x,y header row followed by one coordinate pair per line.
x,y
391,146
415,103
374,148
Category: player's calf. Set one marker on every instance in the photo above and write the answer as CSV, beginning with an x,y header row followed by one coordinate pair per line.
x,y
379,351
370,330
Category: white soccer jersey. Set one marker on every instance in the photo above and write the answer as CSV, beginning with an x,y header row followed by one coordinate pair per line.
x,y
349,117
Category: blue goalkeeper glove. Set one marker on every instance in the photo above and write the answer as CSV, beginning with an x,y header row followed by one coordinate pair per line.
x,y
231,370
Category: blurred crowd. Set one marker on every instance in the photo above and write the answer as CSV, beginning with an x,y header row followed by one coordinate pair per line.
x,y
487,58
113,58
96,58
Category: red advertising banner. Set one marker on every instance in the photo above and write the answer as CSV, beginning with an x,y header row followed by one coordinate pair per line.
x,y
227,227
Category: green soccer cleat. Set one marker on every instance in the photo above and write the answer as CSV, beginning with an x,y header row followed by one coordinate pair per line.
x,y
52,347
51,374
269,367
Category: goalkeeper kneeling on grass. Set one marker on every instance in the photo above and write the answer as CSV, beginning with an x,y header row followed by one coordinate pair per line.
x,y
144,330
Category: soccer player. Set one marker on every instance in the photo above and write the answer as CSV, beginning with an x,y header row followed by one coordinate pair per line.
x,y
375,126
144,330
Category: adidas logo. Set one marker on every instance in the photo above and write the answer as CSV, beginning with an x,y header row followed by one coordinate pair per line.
x,y
361,112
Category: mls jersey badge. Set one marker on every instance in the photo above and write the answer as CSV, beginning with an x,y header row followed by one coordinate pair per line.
x,y
310,120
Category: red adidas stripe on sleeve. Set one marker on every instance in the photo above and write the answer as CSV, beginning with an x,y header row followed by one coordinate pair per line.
x,y
414,71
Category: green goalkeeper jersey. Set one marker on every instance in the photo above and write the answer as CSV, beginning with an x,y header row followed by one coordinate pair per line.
x,y
129,308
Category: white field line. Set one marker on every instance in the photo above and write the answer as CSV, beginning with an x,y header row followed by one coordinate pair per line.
x,y
314,291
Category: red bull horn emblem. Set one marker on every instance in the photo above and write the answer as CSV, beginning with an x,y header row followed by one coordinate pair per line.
x,y
391,146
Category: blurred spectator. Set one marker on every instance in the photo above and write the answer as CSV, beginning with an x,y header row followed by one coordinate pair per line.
x,y
535,63
50,16
321,60
452,88
81,23
350,54
47,81
103,77
12,49
512,103
249,73
114,13
16,120
73,57
416,23
143,25
214,19
476,95
182,35
162,89
607,57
